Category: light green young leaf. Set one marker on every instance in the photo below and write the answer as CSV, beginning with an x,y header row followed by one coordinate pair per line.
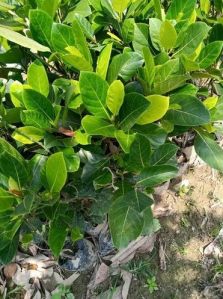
x,y
56,172
62,37
41,26
49,6
16,93
76,60
28,135
125,140
22,40
115,96
168,35
154,29
95,95
141,36
72,159
180,9
6,200
149,66
96,126
37,78
128,28
120,6
103,61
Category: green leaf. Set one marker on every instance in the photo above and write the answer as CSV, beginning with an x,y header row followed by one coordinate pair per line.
x,y
37,78
134,105
6,200
168,35
9,249
209,54
115,96
155,175
35,119
8,148
36,166
181,9
76,60
141,36
41,26
72,160
187,111
85,26
95,95
56,172
96,126
81,8
10,166
154,133
16,93
28,135
128,28
192,37
124,140
208,149
57,236
154,29
37,102
149,66
125,222
163,154
120,6
80,41
49,6
22,40
156,110
124,65
62,36
103,61
158,9
139,156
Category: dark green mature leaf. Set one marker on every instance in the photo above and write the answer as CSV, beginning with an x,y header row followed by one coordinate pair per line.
x,y
40,26
35,118
9,249
134,105
95,95
180,9
209,54
209,151
154,133
154,29
125,140
128,30
37,78
8,148
12,167
37,102
187,111
85,25
192,37
56,172
57,236
22,40
139,156
155,175
149,66
96,126
62,36
141,36
125,222
36,165
163,154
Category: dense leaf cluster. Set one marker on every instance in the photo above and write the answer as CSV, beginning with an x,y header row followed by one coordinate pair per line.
x,y
93,93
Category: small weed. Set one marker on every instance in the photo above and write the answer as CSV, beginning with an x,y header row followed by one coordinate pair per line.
x,y
63,293
139,268
152,285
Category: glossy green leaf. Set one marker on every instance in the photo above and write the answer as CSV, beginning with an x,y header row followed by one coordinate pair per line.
x,y
187,111
141,36
49,6
22,40
163,154
41,26
35,118
149,66
156,110
125,222
125,140
155,175
180,9
209,151
28,135
16,94
139,156
56,172
37,78
36,166
72,159
8,148
96,126
6,200
103,61
95,95
153,132
209,54
168,35
85,26
134,105
115,96
9,249
37,102
128,28
154,29
192,37
76,60
120,6
57,236
62,36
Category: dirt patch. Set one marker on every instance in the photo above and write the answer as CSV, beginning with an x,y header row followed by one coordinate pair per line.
x,y
197,218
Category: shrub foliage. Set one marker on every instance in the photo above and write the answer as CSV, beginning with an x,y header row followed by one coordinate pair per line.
x,y
93,94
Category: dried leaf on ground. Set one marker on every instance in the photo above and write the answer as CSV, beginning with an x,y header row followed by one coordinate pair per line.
x,y
102,274
10,270
127,277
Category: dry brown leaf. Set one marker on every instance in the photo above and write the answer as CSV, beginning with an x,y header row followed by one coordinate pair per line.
x,y
10,270
160,211
127,277
102,274
162,256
